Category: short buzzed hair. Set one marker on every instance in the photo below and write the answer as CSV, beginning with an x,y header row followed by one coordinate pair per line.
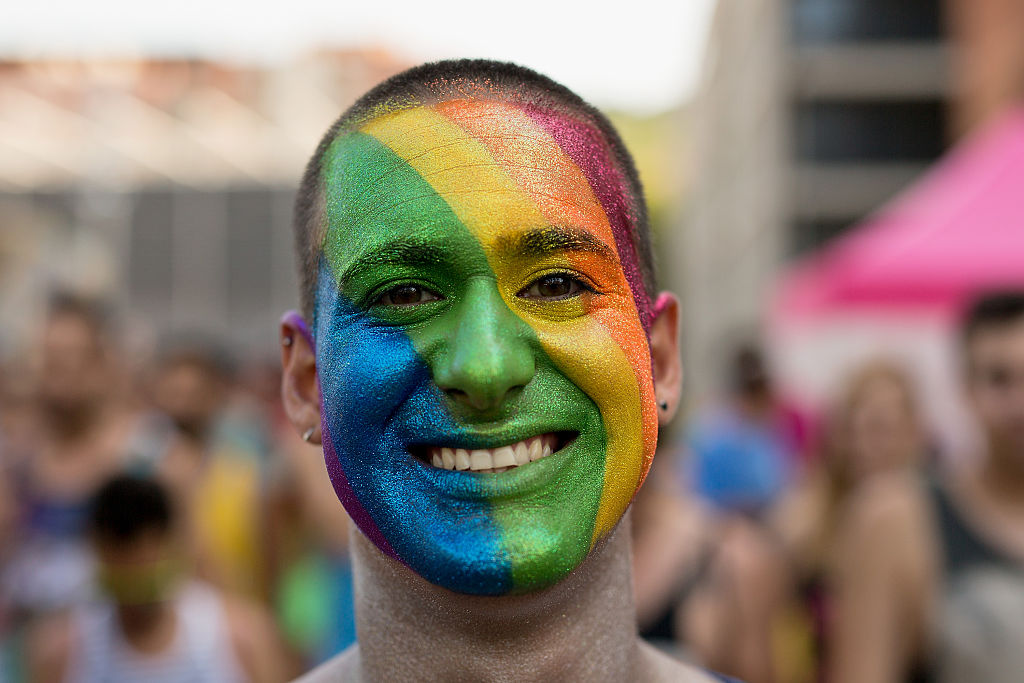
x,y
127,506
993,309
453,79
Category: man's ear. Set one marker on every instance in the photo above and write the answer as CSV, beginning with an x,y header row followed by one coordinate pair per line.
x,y
665,362
300,390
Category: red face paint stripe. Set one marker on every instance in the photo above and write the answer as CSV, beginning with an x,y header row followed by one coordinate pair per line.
x,y
580,142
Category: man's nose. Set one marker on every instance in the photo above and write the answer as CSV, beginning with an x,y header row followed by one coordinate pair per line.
x,y
488,358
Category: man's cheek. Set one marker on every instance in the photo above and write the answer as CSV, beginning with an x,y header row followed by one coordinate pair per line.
x,y
366,372
586,352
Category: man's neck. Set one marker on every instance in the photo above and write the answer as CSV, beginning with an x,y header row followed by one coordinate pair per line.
x,y
149,629
581,629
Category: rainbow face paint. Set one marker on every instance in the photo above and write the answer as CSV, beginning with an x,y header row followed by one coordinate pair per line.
x,y
478,288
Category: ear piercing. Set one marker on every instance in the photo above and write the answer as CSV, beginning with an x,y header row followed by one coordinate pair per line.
x,y
287,341
663,405
308,434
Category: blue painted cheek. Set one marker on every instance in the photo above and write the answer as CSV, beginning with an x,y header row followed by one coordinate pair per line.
x,y
378,397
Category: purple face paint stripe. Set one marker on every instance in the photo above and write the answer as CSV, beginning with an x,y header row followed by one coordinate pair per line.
x,y
588,150
346,495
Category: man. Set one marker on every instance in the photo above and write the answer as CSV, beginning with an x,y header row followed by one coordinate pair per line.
x,y
742,451
931,582
212,471
83,432
155,625
485,359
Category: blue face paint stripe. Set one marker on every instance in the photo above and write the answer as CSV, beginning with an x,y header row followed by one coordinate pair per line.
x,y
346,339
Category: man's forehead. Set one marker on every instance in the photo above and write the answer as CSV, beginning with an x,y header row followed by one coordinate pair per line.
x,y
490,162
494,164
1007,337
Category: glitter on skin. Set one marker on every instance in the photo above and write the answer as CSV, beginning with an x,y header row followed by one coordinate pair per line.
x,y
559,188
454,181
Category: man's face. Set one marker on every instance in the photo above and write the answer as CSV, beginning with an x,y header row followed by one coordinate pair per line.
x,y
191,394
74,371
487,402
141,571
996,383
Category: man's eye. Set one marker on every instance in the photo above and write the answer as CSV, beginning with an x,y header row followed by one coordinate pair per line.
x,y
554,287
406,295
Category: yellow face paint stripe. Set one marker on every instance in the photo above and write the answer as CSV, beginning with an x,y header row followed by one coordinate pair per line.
x,y
510,135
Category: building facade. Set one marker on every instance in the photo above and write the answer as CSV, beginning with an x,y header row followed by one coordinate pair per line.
x,y
812,114
164,186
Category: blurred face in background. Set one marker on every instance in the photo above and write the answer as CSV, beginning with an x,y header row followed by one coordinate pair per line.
x,y
995,384
879,426
140,571
191,393
74,369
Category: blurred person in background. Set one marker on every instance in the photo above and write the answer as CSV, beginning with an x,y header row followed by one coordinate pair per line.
x,y
81,431
873,430
211,462
707,585
929,581
308,535
310,573
309,532
744,450
155,623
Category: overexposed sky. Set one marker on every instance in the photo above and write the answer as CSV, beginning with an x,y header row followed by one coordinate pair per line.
x,y
638,54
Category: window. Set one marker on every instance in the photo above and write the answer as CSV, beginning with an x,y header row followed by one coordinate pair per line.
x,y
250,222
818,21
858,131
149,264
810,234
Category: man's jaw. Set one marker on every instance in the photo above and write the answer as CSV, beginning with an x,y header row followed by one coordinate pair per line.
x,y
499,459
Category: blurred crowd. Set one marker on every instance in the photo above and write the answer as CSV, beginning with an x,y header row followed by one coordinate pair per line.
x,y
153,512
849,546
164,521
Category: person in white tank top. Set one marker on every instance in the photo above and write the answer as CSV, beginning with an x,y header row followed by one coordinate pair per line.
x,y
155,625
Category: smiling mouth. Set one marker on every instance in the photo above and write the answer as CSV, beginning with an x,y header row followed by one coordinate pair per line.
x,y
494,460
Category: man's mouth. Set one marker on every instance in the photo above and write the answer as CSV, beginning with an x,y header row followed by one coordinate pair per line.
x,y
501,459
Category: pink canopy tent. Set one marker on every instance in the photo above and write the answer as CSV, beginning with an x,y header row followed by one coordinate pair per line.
x,y
893,286
957,231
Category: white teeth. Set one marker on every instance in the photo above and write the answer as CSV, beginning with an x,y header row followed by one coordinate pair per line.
x,y
480,460
536,449
448,458
522,452
494,460
504,457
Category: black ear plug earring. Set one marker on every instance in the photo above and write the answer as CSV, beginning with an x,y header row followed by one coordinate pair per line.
x,y
663,405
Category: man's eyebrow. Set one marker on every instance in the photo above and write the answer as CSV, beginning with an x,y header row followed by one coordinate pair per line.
x,y
544,241
410,251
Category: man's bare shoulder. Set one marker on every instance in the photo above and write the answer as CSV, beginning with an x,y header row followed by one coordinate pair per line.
x,y
342,668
